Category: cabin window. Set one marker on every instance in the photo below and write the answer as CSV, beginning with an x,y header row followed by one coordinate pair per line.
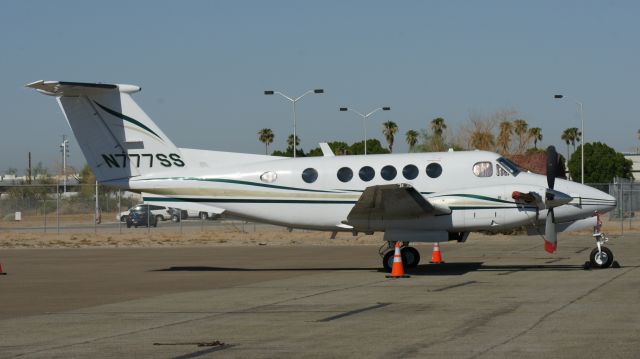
x,y
500,171
388,172
345,174
366,173
310,175
509,166
483,169
268,177
434,170
410,172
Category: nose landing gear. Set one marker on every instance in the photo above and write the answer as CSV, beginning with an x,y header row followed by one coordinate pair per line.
x,y
600,257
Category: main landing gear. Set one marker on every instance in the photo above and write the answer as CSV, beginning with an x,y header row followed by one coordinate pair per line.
x,y
410,255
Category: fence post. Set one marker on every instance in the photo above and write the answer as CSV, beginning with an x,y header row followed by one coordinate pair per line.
x,y
44,210
119,210
58,208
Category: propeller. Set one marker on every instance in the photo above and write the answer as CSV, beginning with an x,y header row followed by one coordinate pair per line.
x,y
551,236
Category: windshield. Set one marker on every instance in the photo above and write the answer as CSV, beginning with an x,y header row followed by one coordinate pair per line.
x,y
509,166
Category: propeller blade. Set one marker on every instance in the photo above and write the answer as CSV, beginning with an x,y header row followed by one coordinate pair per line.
x,y
550,234
552,166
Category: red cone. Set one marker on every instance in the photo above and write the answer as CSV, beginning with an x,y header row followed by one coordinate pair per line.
x,y
397,270
436,258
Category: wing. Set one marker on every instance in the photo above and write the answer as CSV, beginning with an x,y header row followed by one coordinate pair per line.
x,y
391,202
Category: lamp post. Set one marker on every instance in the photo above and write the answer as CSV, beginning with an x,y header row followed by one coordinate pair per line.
x,y
293,101
64,149
579,104
364,120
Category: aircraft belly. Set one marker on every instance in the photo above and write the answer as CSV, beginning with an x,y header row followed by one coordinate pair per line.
x,y
308,215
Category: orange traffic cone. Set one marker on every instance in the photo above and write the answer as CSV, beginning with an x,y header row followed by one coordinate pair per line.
x,y
397,270
436,258
1,271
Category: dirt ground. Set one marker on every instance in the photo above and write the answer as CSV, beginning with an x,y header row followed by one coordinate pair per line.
x,y
224,235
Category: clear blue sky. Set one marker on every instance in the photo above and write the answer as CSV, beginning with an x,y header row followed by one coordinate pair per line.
x,y
204,65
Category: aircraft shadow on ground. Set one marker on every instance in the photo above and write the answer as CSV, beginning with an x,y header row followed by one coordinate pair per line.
x,y
444,269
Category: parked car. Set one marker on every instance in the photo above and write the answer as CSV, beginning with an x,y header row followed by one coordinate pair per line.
x,y
184,214
140,219
159,212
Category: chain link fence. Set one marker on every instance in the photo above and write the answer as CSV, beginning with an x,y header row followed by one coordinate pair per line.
x,y
44,208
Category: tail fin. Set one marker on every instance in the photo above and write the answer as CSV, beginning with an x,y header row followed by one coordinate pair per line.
x,y
117,138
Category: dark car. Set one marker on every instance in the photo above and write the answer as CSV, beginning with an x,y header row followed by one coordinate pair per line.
x,y
177,214
140,218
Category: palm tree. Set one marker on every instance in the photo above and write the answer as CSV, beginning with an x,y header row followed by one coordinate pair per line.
x,y
438,126
536,134
412,138
290,141
575,136
266,136
520,129
504,138
389,129
566,137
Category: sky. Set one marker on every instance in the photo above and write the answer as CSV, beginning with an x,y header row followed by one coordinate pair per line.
x,y
204,66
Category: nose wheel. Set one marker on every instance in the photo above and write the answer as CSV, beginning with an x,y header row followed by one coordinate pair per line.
x,y
601,257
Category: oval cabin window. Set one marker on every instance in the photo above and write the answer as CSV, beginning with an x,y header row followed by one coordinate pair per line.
x,y
268,177
483,169
310,175
345,174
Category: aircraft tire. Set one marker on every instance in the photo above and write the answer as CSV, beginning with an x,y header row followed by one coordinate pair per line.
x,y
387,261
601,260
410,257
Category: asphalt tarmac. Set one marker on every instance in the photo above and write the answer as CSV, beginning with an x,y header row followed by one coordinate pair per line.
x,y
501,297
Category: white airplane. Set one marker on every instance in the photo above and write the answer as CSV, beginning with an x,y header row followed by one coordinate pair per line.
x,y
416,197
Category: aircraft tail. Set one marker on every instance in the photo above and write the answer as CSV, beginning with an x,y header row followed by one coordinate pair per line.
x,y
117,138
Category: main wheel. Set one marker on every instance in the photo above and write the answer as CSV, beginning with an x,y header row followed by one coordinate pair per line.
x,y
123,218
387,261
602,259
204,215
410,257
175,218
128,225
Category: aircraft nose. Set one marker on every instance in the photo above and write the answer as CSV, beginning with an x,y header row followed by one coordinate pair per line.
x,y
604,202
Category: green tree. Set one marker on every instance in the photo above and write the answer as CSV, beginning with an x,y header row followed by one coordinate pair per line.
x,y
412,138
536,134
438,126
373,147
266,136
389,130
602,163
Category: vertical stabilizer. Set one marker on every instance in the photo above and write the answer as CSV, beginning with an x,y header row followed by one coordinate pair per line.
x,y
117,138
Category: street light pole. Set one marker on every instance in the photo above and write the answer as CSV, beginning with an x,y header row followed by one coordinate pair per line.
x,y
293,101
579,104
364,120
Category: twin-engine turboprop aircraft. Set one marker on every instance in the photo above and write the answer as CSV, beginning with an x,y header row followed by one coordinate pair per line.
x,y
416,197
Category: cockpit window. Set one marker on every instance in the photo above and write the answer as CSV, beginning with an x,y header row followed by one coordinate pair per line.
x,y
483,169
509,166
